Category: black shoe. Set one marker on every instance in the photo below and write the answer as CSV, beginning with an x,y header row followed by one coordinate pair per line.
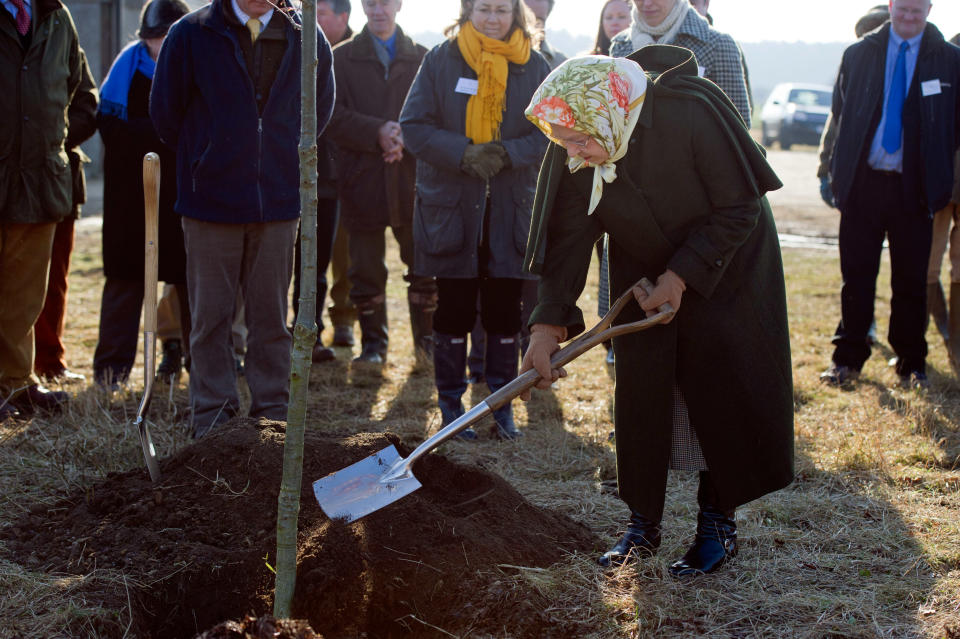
x,y
641,540
467,434
321,353
37,397
172,362
716,540
914,380
370,356
838,374
7,410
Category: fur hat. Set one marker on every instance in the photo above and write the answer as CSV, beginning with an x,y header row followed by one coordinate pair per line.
x,y
873,19
157,16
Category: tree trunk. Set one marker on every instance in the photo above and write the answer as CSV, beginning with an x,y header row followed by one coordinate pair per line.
x,y
305,328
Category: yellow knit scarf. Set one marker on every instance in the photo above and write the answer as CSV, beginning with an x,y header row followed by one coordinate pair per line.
x,y
489,58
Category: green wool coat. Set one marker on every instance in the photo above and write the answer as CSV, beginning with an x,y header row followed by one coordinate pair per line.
x,y
37,85
689,196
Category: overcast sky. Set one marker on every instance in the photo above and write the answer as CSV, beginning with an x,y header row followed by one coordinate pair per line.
x,y
745,20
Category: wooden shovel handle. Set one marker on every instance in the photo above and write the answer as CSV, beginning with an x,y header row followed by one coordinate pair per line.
x,y
151,207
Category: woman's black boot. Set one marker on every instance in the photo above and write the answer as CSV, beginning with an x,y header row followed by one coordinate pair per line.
x,y
640,541
716,540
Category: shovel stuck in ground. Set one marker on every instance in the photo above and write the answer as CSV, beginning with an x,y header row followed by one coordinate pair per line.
x,y
385,477
151,202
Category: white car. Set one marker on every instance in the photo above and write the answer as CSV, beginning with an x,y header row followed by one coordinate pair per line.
x,y
795,114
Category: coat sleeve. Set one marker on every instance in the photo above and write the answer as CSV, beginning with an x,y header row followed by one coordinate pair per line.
x,y
349,128
703,257
527,150
82,112
725,67
172,85
570,238
422,119
326,83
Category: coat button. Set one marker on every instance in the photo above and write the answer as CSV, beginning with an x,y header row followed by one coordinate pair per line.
x,y
718,263
24,67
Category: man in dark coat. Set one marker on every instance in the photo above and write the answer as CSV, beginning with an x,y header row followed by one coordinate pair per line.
x,y
897,108
332,16
40,72
128,135
374,71
688,200
50,362
226,95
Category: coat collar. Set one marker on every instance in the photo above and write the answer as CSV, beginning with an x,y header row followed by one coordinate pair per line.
x,y
362,48
932,38
213,17
662,62
695,26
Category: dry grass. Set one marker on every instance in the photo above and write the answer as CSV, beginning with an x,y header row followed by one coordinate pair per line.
x,y
866,542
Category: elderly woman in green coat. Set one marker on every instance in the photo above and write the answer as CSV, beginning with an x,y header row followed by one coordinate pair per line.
x,y
660,160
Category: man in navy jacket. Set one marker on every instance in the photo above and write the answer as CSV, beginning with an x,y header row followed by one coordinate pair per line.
x,y
226,96
897,106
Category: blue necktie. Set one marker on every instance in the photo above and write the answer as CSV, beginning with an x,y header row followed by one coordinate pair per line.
x,y
893,129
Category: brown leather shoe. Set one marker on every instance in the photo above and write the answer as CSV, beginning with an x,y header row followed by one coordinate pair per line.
x,y
322,354
39,397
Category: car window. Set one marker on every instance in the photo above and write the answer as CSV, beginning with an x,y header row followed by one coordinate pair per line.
x,y
810,97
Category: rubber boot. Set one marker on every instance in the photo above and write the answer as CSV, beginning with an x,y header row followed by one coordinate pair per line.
x,y
500,368
172,363
954,342
478,347
373,333
716,538
641,540
937,309
422,307
449,364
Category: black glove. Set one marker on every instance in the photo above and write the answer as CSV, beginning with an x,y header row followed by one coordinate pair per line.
x,y
826,192
484,160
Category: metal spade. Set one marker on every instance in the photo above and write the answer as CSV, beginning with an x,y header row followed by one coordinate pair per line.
x,y
385,477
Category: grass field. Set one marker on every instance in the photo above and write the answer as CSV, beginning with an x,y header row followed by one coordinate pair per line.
x,y
865,543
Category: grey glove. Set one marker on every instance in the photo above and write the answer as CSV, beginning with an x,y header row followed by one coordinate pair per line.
x,y
484,160
826,192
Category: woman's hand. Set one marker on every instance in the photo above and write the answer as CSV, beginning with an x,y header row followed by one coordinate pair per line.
x,y
544,341
669,289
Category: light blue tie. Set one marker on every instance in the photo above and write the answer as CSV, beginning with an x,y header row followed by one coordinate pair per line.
x,y
893,129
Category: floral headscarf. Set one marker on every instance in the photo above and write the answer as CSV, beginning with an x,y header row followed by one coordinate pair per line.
x,y
596,95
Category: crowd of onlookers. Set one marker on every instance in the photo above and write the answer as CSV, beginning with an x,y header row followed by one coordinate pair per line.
x,y
433,145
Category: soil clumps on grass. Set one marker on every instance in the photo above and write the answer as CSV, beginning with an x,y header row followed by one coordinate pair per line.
x,y
199,545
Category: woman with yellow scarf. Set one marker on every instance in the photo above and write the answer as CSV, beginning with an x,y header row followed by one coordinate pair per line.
x,y
477,162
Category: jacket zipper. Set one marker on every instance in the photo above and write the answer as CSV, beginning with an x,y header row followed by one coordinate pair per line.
x,y
260,164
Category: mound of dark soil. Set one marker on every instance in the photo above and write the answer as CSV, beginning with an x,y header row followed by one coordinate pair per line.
x,y
199,545
265,627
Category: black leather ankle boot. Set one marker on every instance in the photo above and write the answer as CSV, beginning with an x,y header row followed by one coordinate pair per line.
x,y
716,540
640,541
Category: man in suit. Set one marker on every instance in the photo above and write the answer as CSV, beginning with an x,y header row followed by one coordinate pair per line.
x,y
897,108
226,96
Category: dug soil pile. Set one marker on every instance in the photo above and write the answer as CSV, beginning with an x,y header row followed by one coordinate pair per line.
x,y
199,545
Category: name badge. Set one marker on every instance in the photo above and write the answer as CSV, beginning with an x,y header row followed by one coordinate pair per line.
x,y
701,70
930,87
468,86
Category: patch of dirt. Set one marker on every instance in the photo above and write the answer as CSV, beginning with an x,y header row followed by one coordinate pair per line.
x,y
199,544
263,628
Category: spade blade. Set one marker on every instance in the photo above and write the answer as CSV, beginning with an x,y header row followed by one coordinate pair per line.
x,y
360,489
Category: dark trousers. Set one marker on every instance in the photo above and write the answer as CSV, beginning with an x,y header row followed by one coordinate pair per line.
x,y
878,211
457,305
48,330
368,267
119,333
327,216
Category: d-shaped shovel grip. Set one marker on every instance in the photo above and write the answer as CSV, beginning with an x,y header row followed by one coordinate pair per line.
x,y
600,333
